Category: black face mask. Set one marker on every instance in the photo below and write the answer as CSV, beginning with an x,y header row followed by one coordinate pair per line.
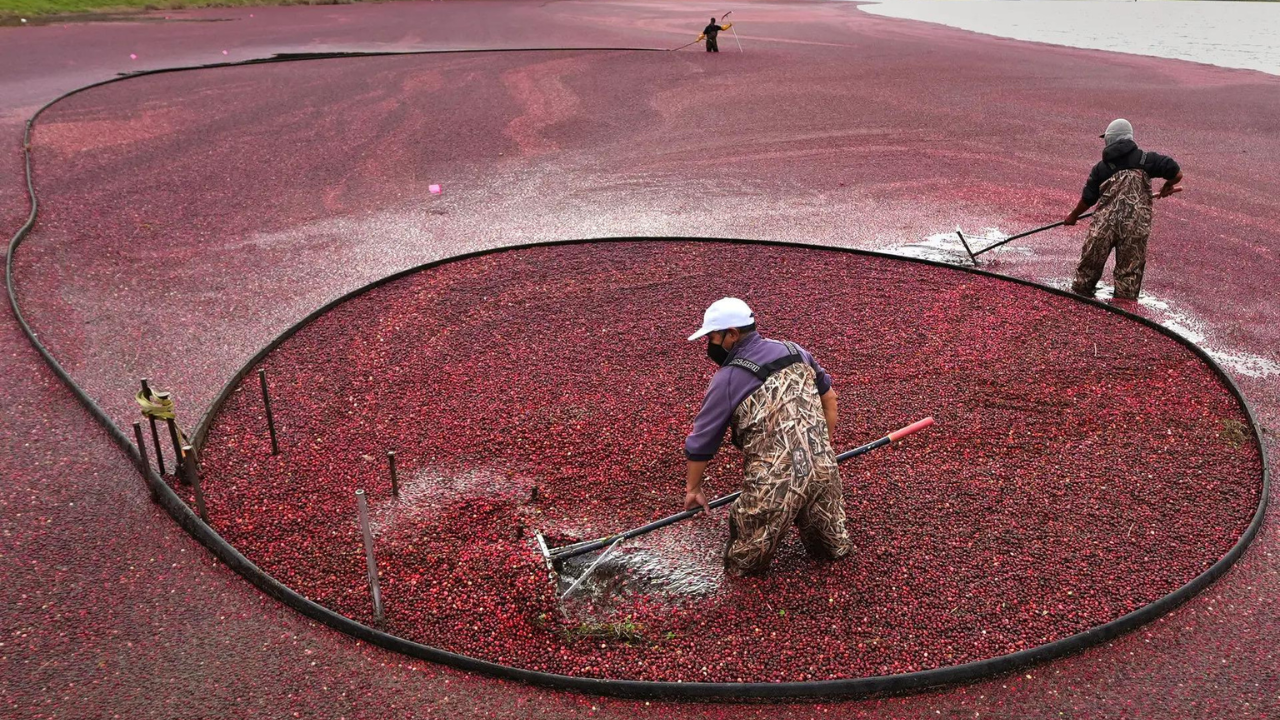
x,y
717,353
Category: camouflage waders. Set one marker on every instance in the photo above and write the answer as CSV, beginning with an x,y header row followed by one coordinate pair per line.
x,y
1122,221
790,474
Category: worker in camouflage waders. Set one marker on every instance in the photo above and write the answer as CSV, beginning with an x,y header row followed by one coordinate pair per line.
x,y
780,406
1120,185
711,32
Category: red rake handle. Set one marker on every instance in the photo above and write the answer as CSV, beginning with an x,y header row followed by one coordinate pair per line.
x,y
891,437
916,426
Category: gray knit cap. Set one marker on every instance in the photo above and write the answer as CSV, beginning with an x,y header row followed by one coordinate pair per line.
x,y
1118,130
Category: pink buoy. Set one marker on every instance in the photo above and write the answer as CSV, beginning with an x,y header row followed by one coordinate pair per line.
x,y
435,189
132,56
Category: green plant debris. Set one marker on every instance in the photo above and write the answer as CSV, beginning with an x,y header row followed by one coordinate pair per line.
x,y
625,631
1234,432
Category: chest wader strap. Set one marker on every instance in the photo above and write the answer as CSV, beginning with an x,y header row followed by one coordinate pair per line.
x,y
1142,165
762,373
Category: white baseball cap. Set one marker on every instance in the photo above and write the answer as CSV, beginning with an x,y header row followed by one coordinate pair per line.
x,y
723,314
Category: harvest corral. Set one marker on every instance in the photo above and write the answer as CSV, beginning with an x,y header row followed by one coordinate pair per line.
x,y
1083,466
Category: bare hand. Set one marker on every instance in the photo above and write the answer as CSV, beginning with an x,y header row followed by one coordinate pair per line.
x,y
1071,220
1168,190
696,499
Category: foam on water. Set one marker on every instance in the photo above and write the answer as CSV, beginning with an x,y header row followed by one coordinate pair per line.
x,y
1227,34
946,247
939,247
1196,330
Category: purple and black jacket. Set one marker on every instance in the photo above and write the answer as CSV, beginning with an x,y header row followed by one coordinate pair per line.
x,y
731,385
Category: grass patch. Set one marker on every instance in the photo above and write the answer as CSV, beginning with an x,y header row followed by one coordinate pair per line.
x,y
34,10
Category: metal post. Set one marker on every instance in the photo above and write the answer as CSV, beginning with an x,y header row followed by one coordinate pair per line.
x,y
155,434
191,472
142,448
143,465
395,481
177,443
370,562
266,403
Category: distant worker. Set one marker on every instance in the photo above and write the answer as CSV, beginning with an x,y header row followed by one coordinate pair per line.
x,y
710,32
781,408
1121,187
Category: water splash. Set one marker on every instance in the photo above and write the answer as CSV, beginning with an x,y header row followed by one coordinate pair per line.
x,y
669,569
430,492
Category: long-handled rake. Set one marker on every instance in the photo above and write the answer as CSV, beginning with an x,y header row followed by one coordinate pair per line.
x,y
973,256
556,556
735,32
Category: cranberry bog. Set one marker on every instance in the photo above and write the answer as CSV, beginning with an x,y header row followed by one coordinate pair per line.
x,y
1088,470
117,608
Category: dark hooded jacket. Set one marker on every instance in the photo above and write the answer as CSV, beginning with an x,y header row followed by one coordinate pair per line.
x,y
1125,155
